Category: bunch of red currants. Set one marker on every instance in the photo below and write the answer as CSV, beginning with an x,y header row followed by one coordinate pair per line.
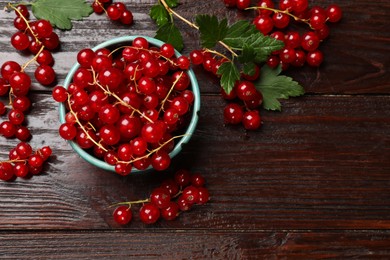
x,y
167,201
114,11
23,161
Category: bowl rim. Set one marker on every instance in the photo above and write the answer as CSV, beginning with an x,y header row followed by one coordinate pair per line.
x,y
178,146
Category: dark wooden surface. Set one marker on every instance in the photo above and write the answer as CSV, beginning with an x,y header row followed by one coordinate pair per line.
x,y
313,182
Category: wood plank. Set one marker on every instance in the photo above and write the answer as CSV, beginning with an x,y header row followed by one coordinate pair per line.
x,y
322,163
188,244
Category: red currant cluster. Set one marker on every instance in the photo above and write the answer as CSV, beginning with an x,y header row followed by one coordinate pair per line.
x,y
23,161
243,92
167,201
126,105
299,48
38,38
115,11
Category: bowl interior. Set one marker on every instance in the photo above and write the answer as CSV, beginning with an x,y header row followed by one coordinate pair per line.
x,y
178,146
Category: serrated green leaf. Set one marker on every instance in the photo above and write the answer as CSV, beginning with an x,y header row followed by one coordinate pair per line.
x,y
171,3
229,75
211,30
159,14
247,54
238,31
274,86
249,68
60,13
169,33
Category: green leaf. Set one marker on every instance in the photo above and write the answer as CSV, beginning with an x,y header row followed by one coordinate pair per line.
x,y
249,68
247,54
60,13
171,3
238,32
229,75
211,30
169,33
159,14
274,86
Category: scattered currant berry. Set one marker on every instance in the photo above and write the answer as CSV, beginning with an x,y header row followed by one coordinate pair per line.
x,y
122,215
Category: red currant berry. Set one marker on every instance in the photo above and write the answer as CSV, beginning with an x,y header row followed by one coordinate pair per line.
x,y
310,41
160,197
20,41
35,161
7,129
113,12
171,211
334,13
251,120
171,186
233,113
43,28
160,160
16,117
182,177
21,170
59,94
126,17
191,194
67,131
314,58
45,74
266,4
204,195
6,171
8,68
122,215
20,83
263,23
197,180
149,213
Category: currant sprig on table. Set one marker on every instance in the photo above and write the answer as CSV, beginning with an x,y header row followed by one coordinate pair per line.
x,y
173,197
23,161
38,38
127,106
114,11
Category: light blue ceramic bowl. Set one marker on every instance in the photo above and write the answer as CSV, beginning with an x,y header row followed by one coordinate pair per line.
x,y
189,131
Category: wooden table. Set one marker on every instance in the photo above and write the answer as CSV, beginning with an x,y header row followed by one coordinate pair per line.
x,y
313,182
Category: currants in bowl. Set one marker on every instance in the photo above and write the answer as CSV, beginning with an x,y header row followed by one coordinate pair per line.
x,y
129,104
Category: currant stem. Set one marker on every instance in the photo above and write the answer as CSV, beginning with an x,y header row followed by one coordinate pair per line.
x,y
13,161
25,20
178,15
33,59
217,53
169,92
296,18
170,11
152,151
130,203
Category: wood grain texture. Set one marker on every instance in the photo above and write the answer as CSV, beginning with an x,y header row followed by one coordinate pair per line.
x,y
312,183
195,245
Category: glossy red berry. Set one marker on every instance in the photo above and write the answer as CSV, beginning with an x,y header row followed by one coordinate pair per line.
x,y
251,120
171,211
233,113
122,215
149,213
